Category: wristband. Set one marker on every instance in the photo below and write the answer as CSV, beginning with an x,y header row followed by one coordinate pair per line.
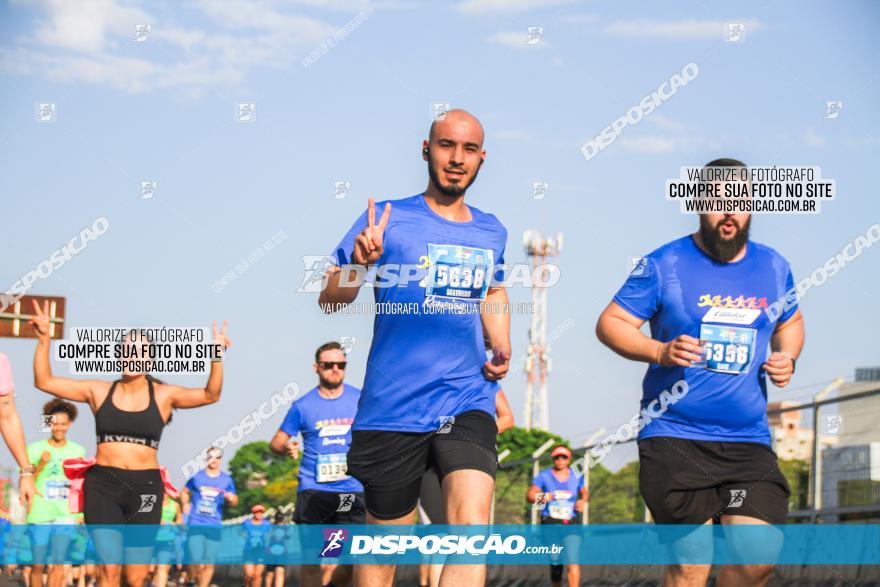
x,y
659,349
793,361
27,471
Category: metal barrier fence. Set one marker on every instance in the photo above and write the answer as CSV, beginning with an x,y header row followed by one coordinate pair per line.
x,y
828,450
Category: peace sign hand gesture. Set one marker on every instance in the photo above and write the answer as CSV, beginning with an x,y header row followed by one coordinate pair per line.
x,y
221,338
40,321
368,244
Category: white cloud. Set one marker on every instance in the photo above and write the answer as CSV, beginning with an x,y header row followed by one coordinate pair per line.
x,y
514,39
92,41
580,18
242,14
676,29
186,39
131,75
489,6
648,144
87,25
665,123
813,139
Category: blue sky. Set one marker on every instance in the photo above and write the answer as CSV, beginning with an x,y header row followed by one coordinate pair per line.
x,y
163,110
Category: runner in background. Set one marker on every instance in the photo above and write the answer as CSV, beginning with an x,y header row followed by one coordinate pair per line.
x,y
172,517
255,530
7,543
276,549
561,494
325,494
50,506
13,433
203,498
77,553
123,486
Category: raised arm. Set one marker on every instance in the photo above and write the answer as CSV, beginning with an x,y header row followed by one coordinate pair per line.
x,y
368,248
78,390
193,397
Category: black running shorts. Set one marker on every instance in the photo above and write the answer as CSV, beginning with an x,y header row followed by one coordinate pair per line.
x,y
122,496
329,507
390,464
694,481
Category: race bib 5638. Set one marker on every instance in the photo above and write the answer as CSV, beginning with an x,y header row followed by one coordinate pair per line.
x,y
457,272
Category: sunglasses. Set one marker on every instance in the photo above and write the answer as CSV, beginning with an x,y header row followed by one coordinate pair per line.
x,y
561,457
330,364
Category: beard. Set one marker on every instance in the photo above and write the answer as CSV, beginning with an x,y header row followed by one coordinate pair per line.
x,y
327,384
722,249
450,190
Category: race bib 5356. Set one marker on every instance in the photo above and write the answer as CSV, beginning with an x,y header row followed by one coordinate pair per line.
x,y
727,349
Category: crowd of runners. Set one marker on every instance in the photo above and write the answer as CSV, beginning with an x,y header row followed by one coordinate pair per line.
x,y
419,438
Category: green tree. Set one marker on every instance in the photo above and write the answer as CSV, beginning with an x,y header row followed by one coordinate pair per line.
x,y
615,497
797,473
512,482
261,476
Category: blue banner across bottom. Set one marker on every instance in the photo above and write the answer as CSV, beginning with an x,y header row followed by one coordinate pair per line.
x,y
632,544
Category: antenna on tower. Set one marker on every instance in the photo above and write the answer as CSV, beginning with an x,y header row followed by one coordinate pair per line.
x,y
538,248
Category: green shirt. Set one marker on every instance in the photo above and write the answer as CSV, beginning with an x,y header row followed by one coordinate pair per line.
x,y
169,514
51,482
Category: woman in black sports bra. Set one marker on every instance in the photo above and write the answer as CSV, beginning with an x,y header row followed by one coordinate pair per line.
x,y
125,485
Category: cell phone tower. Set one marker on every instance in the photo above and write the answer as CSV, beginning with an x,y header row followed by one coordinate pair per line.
x,y
538,248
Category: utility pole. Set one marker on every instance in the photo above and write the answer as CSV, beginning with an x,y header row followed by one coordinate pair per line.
x,y
538,249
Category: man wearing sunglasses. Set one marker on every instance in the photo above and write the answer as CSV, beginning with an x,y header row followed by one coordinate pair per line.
x,y
326,494
561,494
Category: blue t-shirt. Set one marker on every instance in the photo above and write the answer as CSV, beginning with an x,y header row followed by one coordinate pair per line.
x,y
255,532
206,497
426,358
681,290
565,493
325,425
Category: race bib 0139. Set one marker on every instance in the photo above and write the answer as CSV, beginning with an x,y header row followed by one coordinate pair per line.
x,y
331,467
456,272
